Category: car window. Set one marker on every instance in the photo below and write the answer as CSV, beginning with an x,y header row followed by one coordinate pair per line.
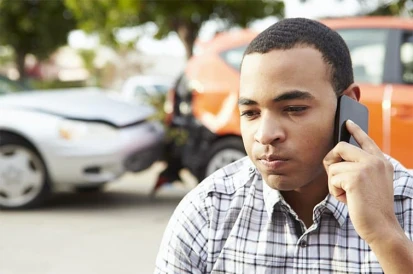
x,y
406,57
233,57
368,50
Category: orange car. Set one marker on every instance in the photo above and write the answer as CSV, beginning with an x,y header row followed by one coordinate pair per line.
x,y
204,101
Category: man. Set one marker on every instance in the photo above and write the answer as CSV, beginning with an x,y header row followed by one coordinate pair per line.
x,y
297,203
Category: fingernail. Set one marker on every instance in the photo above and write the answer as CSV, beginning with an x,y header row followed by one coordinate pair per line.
x,y
350,121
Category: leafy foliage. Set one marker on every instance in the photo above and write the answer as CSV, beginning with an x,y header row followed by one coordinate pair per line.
x,y
33,26
176,134
105,16
185,17
394,8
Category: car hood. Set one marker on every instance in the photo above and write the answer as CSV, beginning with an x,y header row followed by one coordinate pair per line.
x,y
89,104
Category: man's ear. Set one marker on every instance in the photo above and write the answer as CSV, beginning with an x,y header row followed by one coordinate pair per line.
x,y
353,91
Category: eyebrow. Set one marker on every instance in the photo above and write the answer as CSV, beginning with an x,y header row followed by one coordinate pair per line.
x,y
289,95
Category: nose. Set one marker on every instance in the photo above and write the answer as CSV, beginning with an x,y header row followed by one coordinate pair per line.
x,y
269,131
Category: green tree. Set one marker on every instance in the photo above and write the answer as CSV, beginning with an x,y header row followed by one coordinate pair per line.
x,y
34,26
387,7
394,8
185,17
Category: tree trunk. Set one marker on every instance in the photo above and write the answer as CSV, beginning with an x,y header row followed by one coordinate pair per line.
x,y
187,33
20,63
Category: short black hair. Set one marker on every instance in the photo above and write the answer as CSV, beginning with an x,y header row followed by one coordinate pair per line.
x,y
291,32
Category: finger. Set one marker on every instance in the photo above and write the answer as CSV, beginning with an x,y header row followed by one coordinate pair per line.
x,y
342,167
331,158
340,184
347,152
336,186
365,142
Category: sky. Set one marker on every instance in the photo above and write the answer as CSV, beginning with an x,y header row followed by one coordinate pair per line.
x,y
171,45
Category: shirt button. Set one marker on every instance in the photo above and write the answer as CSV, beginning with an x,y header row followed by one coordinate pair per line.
x,y
303,243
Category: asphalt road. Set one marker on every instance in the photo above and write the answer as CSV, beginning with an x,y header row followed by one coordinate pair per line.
x,y
115,231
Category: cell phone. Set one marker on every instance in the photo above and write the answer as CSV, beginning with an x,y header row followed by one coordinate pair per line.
x,y
350,109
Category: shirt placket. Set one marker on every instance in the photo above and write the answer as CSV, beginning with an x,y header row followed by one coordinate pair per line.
x,y
299,255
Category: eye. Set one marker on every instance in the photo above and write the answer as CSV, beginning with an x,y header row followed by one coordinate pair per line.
x,y
249,114
295,109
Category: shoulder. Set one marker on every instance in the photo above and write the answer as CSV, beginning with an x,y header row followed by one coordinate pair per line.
x,y
202,212
224,184
402,179
230,178
403,196
216,193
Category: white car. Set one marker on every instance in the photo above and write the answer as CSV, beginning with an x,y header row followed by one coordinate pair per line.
x,y
82,139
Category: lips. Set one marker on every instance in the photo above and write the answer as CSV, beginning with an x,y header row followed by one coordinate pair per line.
x,y
272,157
273,162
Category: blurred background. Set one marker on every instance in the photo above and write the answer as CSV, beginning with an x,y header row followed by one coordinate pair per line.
x,y
112,110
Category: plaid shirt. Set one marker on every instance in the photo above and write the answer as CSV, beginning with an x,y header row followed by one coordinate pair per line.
x,y
234,223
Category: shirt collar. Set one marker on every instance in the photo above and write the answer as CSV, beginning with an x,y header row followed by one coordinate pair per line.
x,y
271,197
337,208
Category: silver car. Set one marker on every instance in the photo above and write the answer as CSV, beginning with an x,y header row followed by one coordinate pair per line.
x,y
78,139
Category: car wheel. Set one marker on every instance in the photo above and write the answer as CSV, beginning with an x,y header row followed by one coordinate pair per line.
x,y
222,153
23,175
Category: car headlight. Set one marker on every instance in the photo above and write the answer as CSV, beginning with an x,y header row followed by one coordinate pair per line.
x,y
79,130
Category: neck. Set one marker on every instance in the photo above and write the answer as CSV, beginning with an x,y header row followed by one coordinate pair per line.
x,y
303,200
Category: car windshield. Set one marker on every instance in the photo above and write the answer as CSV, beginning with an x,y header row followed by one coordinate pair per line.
x,y
367,49
233,57
9,86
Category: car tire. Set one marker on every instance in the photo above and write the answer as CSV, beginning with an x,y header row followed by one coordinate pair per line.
x,y
223,152
24,180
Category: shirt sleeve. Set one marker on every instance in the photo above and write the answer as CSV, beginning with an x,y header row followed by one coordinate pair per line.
x,y
184,243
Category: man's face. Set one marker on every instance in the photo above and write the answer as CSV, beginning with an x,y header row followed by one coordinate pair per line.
x,y
287,106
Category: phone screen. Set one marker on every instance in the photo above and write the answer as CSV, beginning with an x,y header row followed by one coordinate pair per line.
x,y
350,109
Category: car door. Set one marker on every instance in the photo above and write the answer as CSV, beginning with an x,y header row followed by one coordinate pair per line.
x,y
401,108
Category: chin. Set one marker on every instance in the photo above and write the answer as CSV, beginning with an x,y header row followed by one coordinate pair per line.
x,y
281,182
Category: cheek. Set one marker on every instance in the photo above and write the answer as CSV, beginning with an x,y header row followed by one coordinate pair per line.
x,y
318,136
247,136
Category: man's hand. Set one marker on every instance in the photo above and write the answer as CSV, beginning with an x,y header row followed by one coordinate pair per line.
x,y
362,178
